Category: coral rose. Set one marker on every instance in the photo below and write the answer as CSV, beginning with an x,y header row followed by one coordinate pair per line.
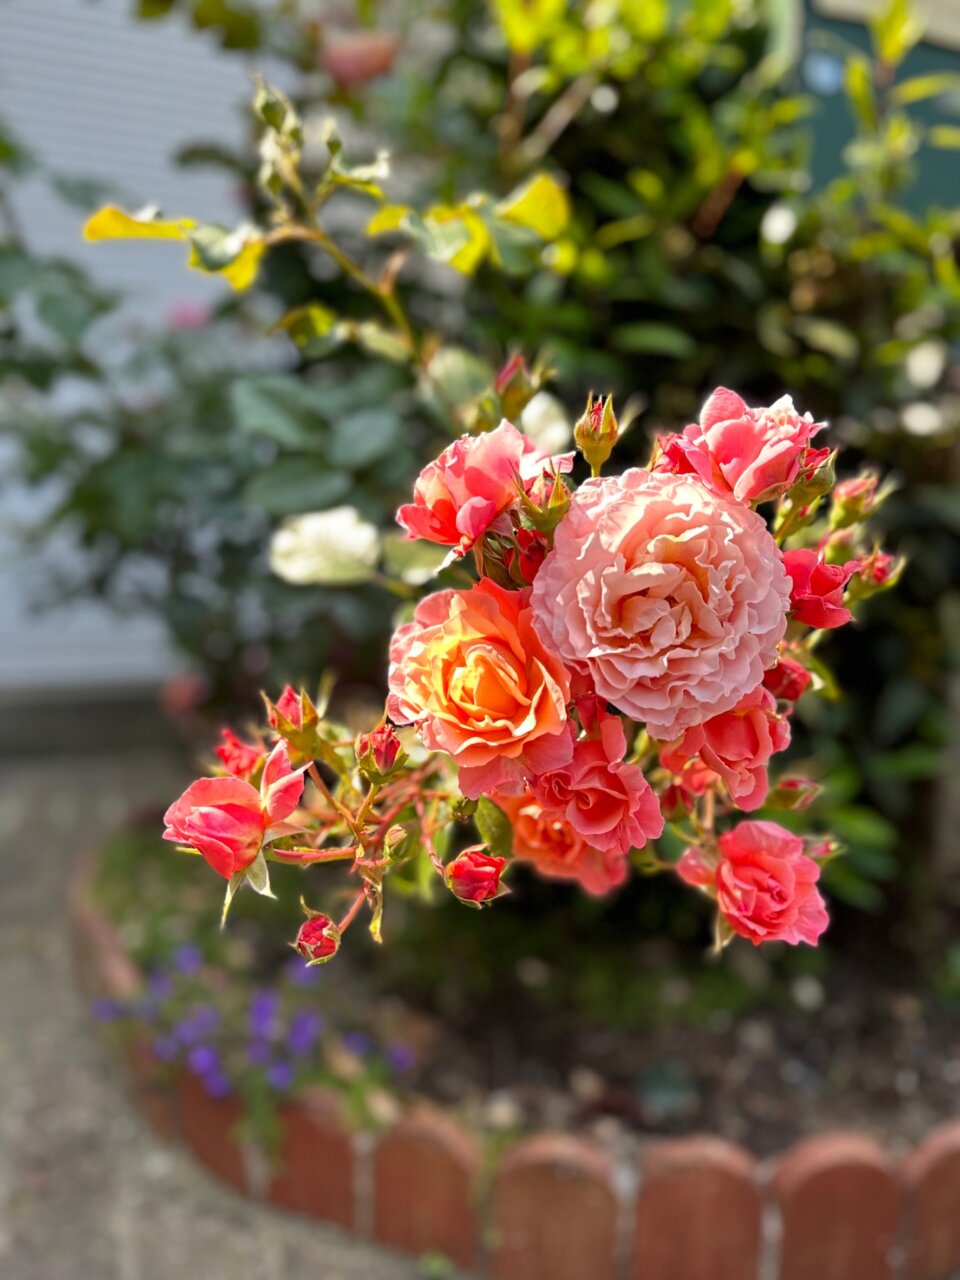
x,y
748,454
474,875
670,598
556,850
458,497
736,745
605,800
765,885
238,757
472,674
226,819
787,679
816,594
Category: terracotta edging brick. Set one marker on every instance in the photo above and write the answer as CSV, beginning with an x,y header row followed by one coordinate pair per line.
x,y
208,1126
932,1179
425,1174
698,1214
316,1171
840,1199
555,1211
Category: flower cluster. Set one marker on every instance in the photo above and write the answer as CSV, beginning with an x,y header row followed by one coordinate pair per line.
x,y
617,677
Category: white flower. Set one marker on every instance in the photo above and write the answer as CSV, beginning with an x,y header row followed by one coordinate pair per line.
x,y
332,548
545,421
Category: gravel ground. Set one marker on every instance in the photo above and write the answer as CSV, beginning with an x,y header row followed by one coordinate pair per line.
x,y
86,1191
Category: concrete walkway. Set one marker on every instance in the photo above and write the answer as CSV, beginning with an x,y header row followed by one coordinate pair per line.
x,y
86,1191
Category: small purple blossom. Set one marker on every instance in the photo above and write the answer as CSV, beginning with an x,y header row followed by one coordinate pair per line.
x,y
105,1010
280,1076
358,1043
306,1027
264,1007
401,1058
188,958
160,987
166,1048
217,1084
198,1024
259,1052
300,974
203,1060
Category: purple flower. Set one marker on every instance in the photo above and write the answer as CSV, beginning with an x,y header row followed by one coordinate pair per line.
x,y
197,1024
105,1010
188,958
306,1026
357,1042
280,1075
300,974
259,1052
217,1084
264,1007
160,987
203,1060
401,1057
166,1048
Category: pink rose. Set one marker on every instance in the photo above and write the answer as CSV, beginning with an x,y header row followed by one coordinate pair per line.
x,y
238,757
670,598
736,745
226,819
816,594
765,885
459,496
472,674
605,800
748,454
556,850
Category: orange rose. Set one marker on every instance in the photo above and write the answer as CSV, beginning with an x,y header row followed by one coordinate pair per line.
x,y
557,850
475,678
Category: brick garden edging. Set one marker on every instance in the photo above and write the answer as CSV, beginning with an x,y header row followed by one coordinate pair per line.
x,y
556,1206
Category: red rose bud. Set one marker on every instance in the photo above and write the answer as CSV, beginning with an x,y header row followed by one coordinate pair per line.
x,y
877,572
318,940
474,876
524,556
379,753
788,680
289,707
597,432
816,592
242,759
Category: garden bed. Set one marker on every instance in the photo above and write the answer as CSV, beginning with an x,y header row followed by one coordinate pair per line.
x,y
532,1179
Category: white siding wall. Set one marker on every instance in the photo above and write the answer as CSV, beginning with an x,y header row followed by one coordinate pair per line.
x,y
94,93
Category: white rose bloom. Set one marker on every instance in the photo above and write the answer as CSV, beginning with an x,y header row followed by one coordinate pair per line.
x,y
545,421
330,548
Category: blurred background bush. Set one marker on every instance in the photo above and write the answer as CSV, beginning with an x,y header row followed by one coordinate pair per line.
x,y
763,195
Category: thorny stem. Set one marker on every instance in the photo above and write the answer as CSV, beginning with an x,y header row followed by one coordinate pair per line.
x,y
332,800
352,911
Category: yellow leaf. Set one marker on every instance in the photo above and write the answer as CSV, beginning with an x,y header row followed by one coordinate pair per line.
x,y
387,219
242,271
468,258
540,204
111,223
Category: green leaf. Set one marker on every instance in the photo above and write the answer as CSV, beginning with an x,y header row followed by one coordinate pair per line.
x,y
540,204
895,32
919,88
494,828
281,408
652,338
859,85
293,485
361,438
314,328
828,336
944,136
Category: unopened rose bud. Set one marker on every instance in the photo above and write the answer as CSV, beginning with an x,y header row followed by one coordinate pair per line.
x,y
379,753
788,680
854,500
355,57
597,432
818,475
877,572
242,759
287,708
516,386
474,876
318,939
821,848
395,841
523,556
793,794
547,502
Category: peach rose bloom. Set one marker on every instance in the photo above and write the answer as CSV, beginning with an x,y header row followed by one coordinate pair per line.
x,y
478,682
556,850
458,496
670,598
